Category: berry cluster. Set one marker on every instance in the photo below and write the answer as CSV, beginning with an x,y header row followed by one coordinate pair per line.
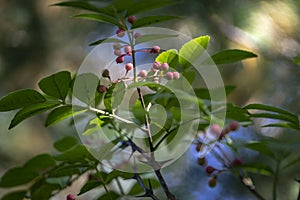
x,y
220,154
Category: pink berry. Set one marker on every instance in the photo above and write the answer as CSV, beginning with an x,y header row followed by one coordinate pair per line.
x,y
155,49
102,88
120,59
215,129
120,32
70,197
129,66
209,169
155,80
176,75
169,75
234,125
117,52
127,49
136,35
131,19
143,73
156,65
117,46
165,66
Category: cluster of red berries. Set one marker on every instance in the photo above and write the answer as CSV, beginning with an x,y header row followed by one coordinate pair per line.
x,y
210,170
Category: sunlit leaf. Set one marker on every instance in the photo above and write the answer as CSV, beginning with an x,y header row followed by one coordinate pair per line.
x,y
149,20
231,56
19,99
56,85
61,113
170,56
95,124
31,110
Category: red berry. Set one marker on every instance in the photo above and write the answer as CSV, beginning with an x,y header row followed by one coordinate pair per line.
x,y
118,52
131,19
102,88
70,197
236,162
156,65
169,75
209,169
234,125
120,32
136,35
120,59
201,161
176,75
155,49
129,66
198,146
165,66
127,49
143,73
212,182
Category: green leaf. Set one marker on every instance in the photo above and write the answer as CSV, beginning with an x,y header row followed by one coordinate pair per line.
x,y
61,113
85,88
170,56
109,196
45,191
231,56
89,186
31,110
151,37
291,163
86,6
141,6
275,116
108,40
64,171
149,20
57,85
99,18
40,162
65,143
269,108
260,147
17,176
237,113
95,124
297,60
114,95
77,154
257,168
283,125
19,99
203,93
17,195
192,50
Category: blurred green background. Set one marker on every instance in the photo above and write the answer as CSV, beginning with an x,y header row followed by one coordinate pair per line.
x,y
37,39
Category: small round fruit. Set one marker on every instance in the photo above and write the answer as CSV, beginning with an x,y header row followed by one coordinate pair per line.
x,y
215,129
120,59
101,89
120,32
143,73
212,182
127,49
169,75
118,52
209,169
156,65
117,46
236,162
165,66
129,66
131,19
234,125
105,73
70,197
155,49
176,75
136,35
